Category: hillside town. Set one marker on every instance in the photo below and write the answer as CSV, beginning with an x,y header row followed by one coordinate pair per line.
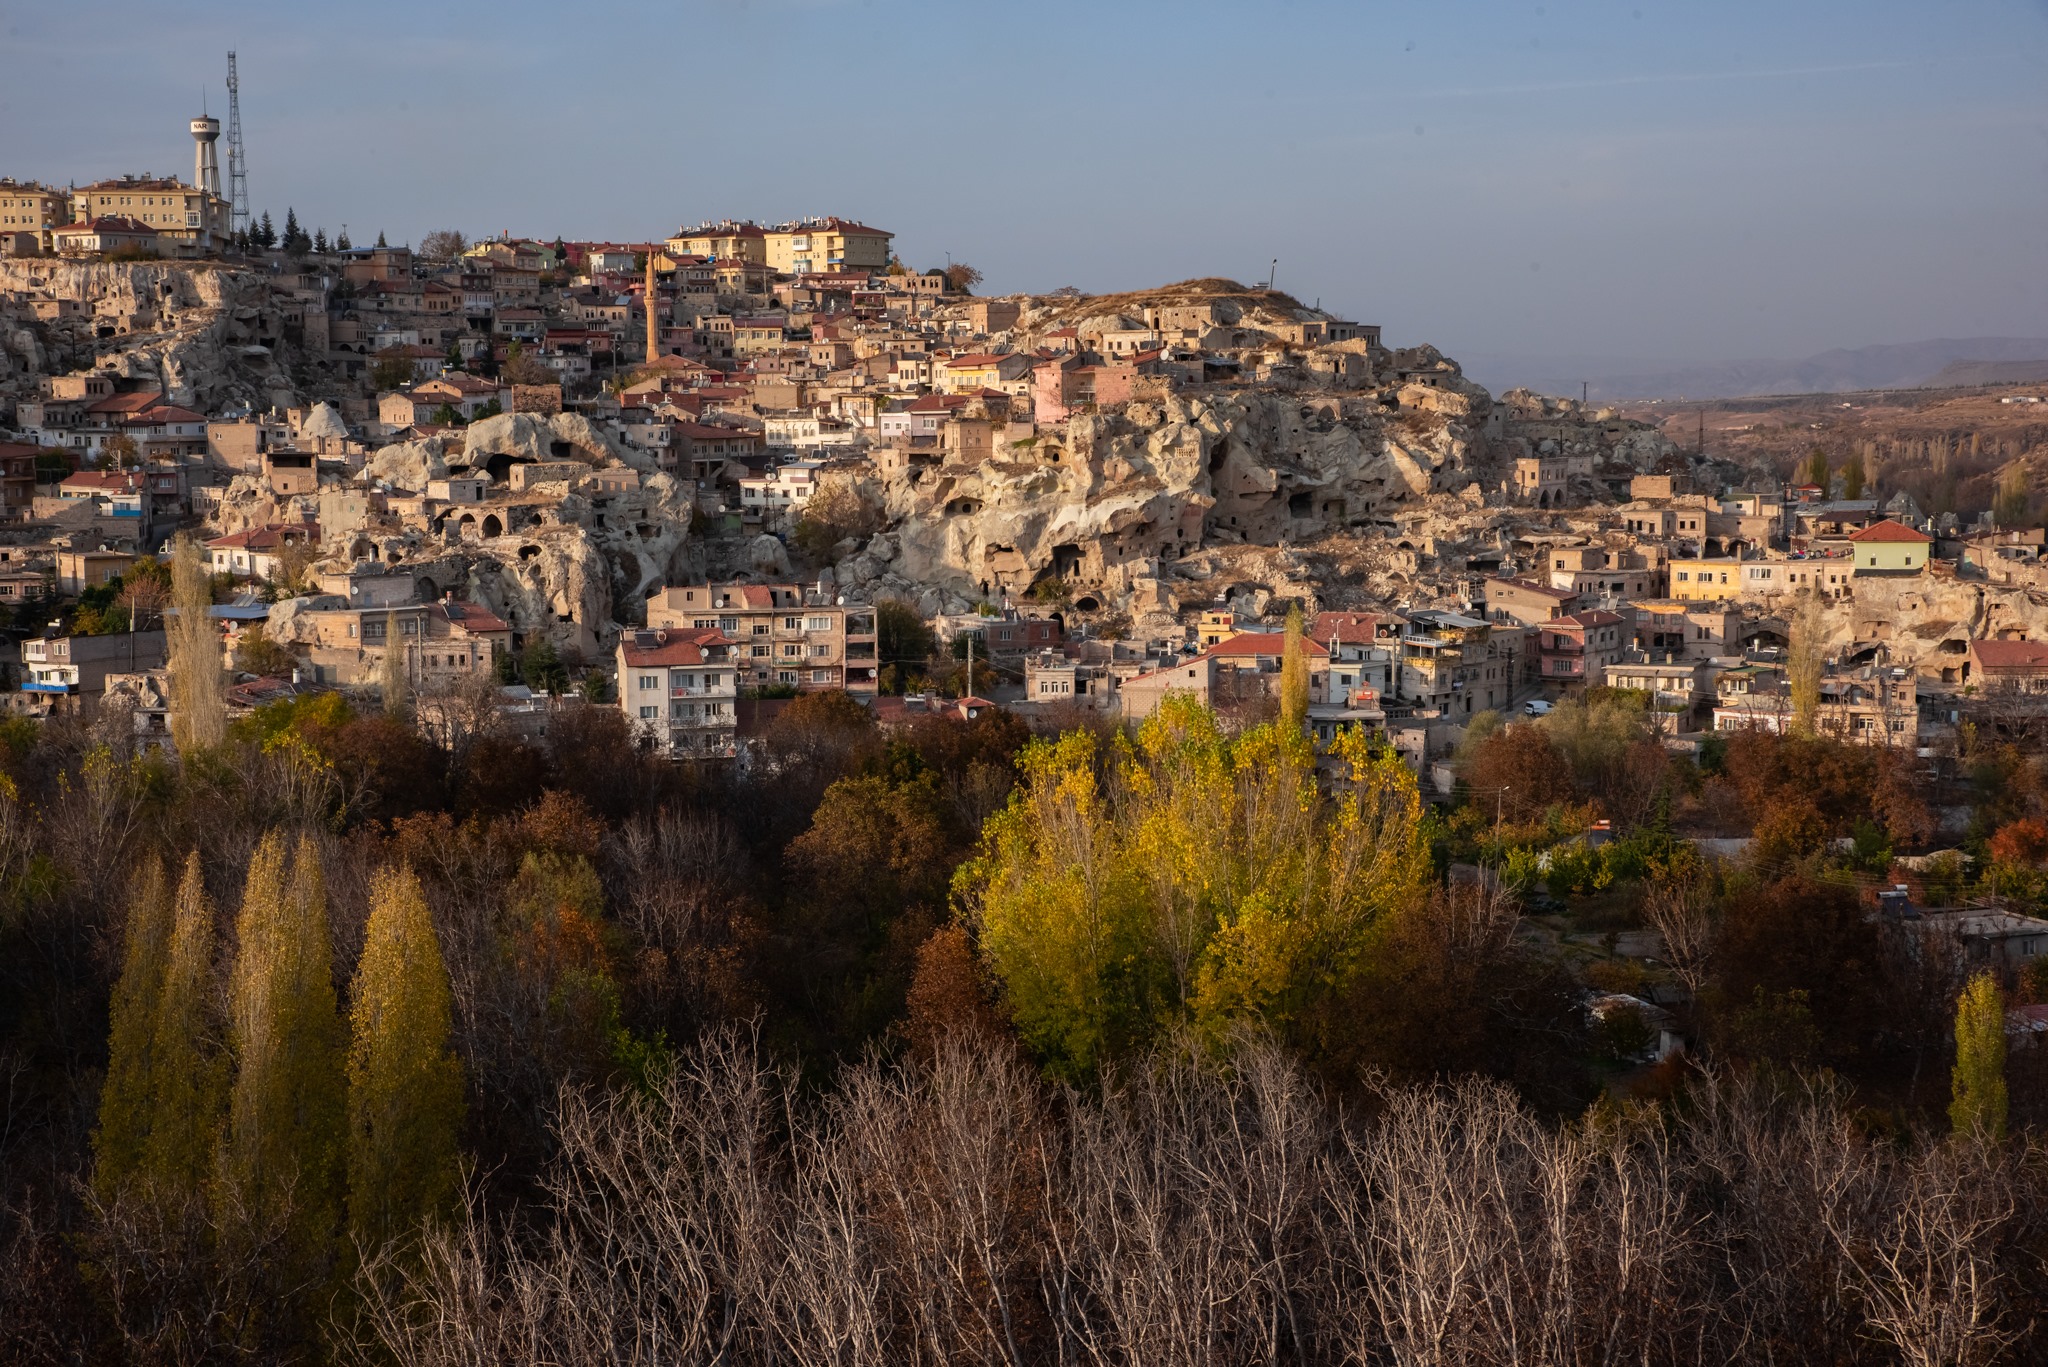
x,y
684,472
750,793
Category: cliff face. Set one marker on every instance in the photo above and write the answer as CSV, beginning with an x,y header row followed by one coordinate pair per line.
x,y
212,335
1113,503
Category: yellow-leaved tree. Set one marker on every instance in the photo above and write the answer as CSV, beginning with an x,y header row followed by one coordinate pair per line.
x,y
1192,878
282,1151
1293,673
188,1070
198,684
405,1103
128,1097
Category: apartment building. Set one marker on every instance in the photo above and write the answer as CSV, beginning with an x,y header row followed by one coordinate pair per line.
x,y
782,634
679,688
30,211
442,642
826,244
172,208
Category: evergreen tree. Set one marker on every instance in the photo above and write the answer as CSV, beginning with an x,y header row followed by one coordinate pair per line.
x,y
405,1101
544,670
341,242
1293,675
266,235
320,240
285,1115
1978,1107
1817,468
1852,477
291,229
127,1098
380,240
188,1072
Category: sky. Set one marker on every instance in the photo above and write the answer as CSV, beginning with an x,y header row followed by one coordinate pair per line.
x,y
1663,182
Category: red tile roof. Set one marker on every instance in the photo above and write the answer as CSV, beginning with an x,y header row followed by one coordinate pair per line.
x,y
1992,654
671,646
1889,530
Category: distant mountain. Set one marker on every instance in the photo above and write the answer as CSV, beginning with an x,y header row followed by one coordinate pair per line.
x,y
1904,365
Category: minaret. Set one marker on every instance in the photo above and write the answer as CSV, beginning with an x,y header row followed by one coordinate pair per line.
x,y
653,328
205,167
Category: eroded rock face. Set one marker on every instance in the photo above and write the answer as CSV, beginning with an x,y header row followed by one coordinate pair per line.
x,y
210,335
1109,499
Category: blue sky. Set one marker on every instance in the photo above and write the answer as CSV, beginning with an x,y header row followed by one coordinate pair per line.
x,y
1679,181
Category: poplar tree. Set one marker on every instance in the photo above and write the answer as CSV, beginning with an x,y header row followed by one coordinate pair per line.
x,y
189,1074
1806,662
1293,674
285,1115
198,684
1978,1107
394,684
405,1102
127,1099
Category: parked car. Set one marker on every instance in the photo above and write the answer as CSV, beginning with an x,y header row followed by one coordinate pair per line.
x,y
1536,707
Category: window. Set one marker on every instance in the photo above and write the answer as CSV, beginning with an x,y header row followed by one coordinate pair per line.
x,y
785,676
649,713
793,650
821,676
792,624
758,652
650,681
760,628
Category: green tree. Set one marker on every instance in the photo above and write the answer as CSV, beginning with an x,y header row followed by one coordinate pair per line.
x,y
128,1097
391,372
188,1070
1293,674
543,668
1817,468
265,235
282,1153
341,242
902,637
1190,877
405,1102
1978,1107
597,688
395,681
198,684
1852,476
2013,501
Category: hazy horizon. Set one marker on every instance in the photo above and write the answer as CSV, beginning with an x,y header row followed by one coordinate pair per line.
x,y
1518,179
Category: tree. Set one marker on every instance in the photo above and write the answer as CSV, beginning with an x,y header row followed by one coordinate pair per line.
x,y
257,654
597,688
391,371
1806,661
1852,476
188,1072
405,1101
380,239
341,242
1978,1107
395,681
320,241
2013,501
198,685
282,1152
1817,467
961,278
444,244
292,231
1293,674
128,1097
543,669
520,368
835,513
265,235
901,636
120,452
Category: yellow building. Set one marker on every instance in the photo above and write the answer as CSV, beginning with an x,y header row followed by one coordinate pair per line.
x,y
1890,547
26,207
1706,581
726,241
176,210
827,244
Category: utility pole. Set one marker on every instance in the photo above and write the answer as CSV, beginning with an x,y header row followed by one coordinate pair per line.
x,y
1272,275
1585,390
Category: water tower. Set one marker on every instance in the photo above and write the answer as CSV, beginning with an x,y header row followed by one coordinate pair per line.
x,y
205,166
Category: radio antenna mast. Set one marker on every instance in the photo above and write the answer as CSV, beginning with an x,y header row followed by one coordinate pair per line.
x,y
238,162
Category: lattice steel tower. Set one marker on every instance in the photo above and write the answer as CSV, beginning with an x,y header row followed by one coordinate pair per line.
x,y
238,162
